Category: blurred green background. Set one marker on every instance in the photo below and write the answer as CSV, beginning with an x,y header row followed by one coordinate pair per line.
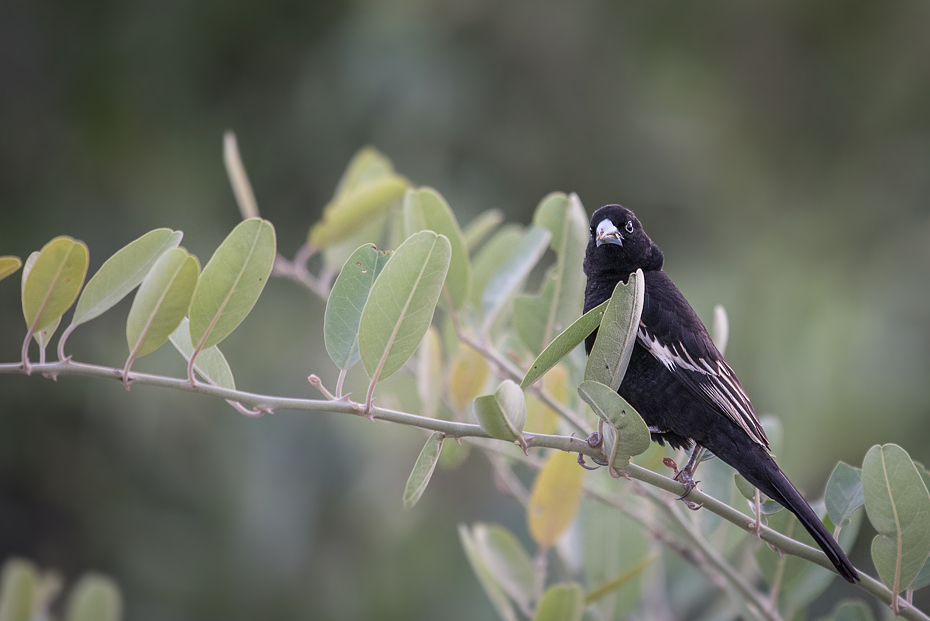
x,y
779,153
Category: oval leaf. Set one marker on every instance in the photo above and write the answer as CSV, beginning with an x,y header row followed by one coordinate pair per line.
x,y
482,226
43,336
538,318
851,610
508,561
721,328
469,373
122,273
347,214
426,209
346,301
844,493
422,470
232,282
210,364
512,271
401,304
616,335
503,414
18,586
9,265
54,281
555,498
487,579
94,598
161,302
632,432
561,602
898,505
429,373
563,344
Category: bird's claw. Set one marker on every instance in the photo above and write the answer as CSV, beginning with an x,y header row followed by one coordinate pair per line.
x,y
582,463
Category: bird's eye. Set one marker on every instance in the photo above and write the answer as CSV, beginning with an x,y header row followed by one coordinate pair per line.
x,y
629,226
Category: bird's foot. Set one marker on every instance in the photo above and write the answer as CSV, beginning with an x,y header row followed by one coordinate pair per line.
x,y
582,463
594,440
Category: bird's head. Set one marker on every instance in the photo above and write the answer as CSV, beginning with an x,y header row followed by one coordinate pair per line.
x,y
618,244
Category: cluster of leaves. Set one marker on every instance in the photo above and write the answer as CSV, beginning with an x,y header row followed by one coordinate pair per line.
x,y
503,351
27,594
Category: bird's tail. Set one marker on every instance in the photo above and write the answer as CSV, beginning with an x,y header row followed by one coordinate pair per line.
x,y
773,482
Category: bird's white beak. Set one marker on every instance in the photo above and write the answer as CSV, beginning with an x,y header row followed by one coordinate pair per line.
x,y
607,233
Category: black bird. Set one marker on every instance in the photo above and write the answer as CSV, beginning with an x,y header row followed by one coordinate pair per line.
x,y
677,379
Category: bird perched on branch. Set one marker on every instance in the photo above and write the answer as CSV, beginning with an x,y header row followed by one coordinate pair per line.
x,y
677,379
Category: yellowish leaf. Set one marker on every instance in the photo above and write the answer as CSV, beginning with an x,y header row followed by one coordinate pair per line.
x,y
469,374
555,498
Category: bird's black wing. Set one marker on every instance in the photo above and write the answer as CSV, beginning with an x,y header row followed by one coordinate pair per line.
x,y
672,332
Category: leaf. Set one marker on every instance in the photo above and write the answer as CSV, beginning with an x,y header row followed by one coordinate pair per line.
x,y
54,282
122,273
844,493
555,498
94,598
9,265
426,209
18,586
632,433
923,577
346,214
210,363
488,260
491,587
512,271
561,602
346,301
851,610
231,282
538,318
721,328
564,343
43,336
161,302
746,489
401,303
616,335
503,414
422,470
469,374
482,226
539,416
429,373
508,561
898,506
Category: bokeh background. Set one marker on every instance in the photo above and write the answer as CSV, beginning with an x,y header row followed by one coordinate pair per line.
x,y
779,153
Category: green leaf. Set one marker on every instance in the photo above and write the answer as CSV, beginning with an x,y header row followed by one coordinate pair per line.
x,y
161,302
563,344
748,491
512,271
54,282
503,414
426,209
346,301
401,303
482,226
555,498
923,577
18,586
43,336
231,282
487,579
844,493
632,434
9,265
122,273
94,598
429,373
489,259
850,610
508,561
561,602
538,318
616,335
210,364
898,506
422,470
347,214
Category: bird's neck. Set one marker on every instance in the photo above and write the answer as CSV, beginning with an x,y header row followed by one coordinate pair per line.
x,y
602,281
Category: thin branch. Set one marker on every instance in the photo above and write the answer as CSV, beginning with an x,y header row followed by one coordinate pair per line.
x,y
461,430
